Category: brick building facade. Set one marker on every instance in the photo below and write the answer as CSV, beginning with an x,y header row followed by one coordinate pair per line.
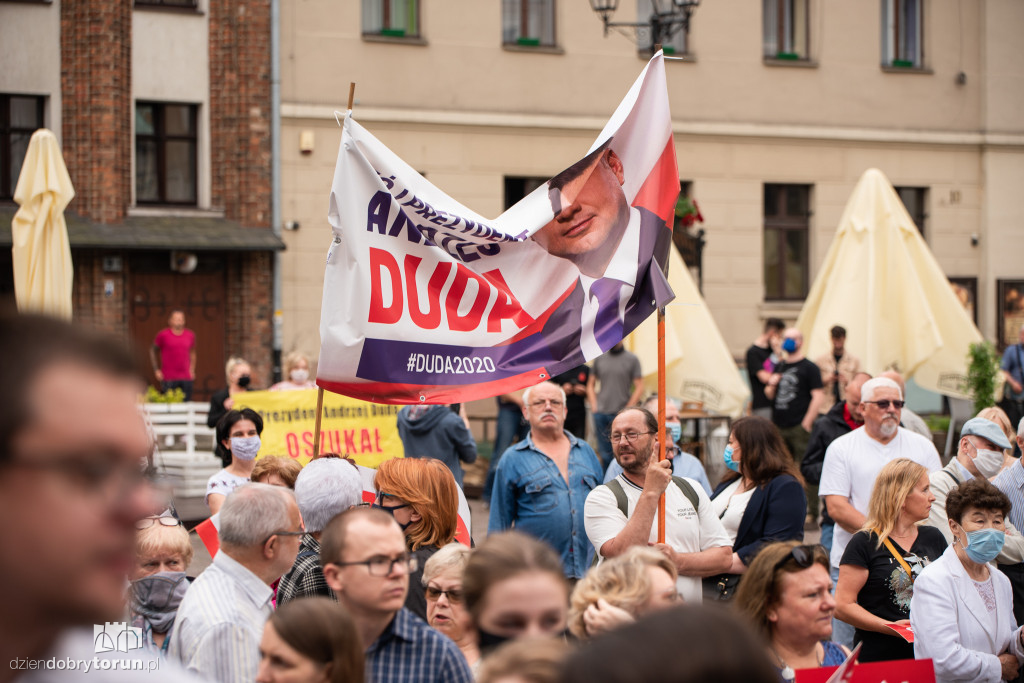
x,y
164,115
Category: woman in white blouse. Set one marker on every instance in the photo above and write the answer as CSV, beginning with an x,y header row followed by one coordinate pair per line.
x,y
760,501
962,609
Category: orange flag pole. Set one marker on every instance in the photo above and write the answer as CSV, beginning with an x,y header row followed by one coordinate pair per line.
x,y
661,415
320,391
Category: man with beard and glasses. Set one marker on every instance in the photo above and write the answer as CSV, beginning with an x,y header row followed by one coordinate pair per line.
x,y
542,482
853,461
621,513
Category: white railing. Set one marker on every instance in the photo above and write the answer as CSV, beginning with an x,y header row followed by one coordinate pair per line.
x,y
184,443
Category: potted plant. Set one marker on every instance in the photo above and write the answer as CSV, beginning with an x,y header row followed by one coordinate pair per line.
x,y
982,373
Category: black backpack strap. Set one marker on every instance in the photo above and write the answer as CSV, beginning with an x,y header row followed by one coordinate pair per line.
x,y
620,497
951,476
688,491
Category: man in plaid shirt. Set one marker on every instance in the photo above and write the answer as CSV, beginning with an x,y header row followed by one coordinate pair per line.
x,y
324,488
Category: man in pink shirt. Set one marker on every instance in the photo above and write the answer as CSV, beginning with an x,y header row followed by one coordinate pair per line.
x,y
174,355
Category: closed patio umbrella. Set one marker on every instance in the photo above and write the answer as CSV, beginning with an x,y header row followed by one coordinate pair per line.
x,y
42,252
881,282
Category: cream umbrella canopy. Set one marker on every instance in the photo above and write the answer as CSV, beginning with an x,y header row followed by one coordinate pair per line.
x,y
881,282
41,252
698,365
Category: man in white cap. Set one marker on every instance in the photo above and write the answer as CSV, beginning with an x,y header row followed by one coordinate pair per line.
x,y
979,454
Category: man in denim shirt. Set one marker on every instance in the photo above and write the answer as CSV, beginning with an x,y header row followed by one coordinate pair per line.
x,y
542,482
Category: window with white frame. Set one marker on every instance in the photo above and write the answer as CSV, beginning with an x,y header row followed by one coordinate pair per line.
x,y
166,152
786,29
391,18
20,117
529,23
901,34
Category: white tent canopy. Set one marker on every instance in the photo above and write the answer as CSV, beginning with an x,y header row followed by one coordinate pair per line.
x,y
881,282
698,365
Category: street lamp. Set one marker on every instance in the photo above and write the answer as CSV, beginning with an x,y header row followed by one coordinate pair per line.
x,y
668,17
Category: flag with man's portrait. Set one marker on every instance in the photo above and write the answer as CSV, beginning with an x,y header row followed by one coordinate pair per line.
x,y
426,301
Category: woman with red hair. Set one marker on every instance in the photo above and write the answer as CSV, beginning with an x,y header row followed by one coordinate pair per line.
x,y
422,496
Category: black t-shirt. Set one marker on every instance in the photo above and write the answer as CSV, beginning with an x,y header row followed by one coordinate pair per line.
x,y
756,356
574,403
888,589
793,394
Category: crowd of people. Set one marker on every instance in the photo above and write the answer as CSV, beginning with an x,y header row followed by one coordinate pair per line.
x,y
571,583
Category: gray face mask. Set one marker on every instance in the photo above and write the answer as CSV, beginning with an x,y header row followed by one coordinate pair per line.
x,y
245,447
988,463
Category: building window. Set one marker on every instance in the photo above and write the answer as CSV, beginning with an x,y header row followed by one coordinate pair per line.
x,y
914,199
391,18
528,22
785,29
20,116
901,34
678,45
517,187
786,241
165,153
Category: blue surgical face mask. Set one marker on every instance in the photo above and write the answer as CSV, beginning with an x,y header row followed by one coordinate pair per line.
x,y
984,545
729,462
675,429
789,345
245,447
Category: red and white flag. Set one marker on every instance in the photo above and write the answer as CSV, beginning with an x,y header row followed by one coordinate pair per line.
x,y
426,301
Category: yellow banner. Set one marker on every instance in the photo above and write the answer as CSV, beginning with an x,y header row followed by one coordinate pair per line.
x,y
366,432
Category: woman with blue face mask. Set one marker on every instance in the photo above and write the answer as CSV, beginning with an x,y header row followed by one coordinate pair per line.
x,y
761,498
962,608
238,442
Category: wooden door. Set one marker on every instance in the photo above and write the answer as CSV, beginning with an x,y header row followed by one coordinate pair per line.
x,y
154,291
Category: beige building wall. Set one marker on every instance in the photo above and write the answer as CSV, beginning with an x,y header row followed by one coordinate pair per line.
x,y
467,112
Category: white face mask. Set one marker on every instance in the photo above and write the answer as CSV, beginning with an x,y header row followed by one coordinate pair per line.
x,y
299,376
988,463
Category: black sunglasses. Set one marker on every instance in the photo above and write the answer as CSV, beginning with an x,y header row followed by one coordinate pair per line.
x,y
884,404
803,555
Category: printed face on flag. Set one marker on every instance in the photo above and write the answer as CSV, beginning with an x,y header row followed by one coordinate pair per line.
x,y
426,301
591,213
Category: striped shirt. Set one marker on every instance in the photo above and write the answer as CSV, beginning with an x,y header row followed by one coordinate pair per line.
x,y
220,621
409,650
1011,482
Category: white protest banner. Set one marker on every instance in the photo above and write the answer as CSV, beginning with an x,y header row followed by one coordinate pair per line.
x,y
426,301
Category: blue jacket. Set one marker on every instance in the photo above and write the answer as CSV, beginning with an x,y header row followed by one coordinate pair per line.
x,y
776,512
436,433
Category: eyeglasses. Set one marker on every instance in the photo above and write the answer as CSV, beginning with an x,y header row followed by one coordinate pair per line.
x,y
884,404
630,436
390,509
555,403
300,532
803,555
147,522
383,566
107,476
454,594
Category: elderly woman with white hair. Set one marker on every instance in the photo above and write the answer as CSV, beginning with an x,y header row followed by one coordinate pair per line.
x,y
324,488
446,609
163,552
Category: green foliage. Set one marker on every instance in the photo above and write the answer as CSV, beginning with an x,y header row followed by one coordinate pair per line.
x,y
982,371
937,423
175,395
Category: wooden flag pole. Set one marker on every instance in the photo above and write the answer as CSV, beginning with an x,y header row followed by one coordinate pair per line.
x,y
320,391
661,415
316,426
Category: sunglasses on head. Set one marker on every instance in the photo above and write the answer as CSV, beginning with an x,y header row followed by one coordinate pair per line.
x,y
884,404
803,555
